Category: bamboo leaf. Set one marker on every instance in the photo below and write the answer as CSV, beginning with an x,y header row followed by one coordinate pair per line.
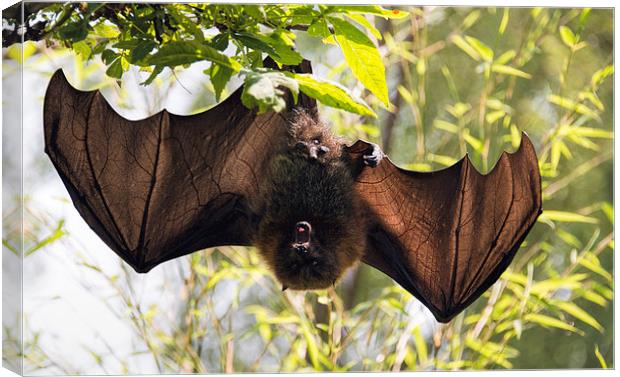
x,y
568,37
599,356
567,217
465,47
507,70
579,313
482,49
547,321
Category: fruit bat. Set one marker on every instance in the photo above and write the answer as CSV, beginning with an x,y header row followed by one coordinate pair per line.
x,y
168,185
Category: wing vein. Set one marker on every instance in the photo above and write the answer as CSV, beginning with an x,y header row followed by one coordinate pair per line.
x,y
149,194
98,188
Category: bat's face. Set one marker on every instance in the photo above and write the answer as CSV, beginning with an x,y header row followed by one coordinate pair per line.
x,y
303,262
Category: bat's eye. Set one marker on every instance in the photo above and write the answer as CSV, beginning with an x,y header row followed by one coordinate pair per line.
x,y
301,145
316,141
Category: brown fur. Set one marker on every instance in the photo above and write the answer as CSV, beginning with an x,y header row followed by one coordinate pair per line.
x,y
317,191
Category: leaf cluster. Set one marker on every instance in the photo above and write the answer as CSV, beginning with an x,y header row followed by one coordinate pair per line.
x,y
234,39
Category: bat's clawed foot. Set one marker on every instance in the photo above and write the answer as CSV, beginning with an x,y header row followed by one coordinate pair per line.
x,y
373,155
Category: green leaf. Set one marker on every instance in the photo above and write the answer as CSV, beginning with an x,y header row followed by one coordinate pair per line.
x,y
360,19
599,76
465,47
547,321
332,94
220,75
264,90
115,69
505,57
567,217
256,42
363,57
573,106
599,356
446,126
106,30
284,50
491,351
180,53
579,313
141,50
420,344
75,31
441,159
504,22
126,45
370,9
568,37
591,262
319,29
220,41
56,234
508,70
592,132
470,19
482,49
153,75
82,48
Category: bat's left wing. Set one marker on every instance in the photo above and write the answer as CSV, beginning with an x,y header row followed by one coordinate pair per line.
x,y
447,236
164,186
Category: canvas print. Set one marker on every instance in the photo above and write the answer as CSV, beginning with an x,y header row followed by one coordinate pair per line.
x,y
209,188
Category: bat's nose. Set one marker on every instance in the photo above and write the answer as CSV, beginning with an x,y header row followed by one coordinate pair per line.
x,y
313,153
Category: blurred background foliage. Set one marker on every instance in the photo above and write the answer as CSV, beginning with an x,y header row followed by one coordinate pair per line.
x,y
460,80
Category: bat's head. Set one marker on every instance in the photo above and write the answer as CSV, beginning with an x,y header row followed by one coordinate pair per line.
x,y
304,261
311,254
313,139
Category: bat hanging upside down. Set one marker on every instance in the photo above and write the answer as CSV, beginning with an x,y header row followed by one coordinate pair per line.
x,y
168,185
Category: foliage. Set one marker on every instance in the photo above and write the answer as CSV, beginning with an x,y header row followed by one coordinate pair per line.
x,y
156,37
460,80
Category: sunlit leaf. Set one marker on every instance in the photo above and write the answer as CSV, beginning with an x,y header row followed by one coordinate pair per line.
x,y
599,356
187,52
580,314
371,9
360,19
504,22
484,51
547,321
568,37
568,217
363,57
332,94
507,70
466,47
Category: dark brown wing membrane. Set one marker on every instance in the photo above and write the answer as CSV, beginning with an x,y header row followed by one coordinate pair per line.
x,y
447,236
164,186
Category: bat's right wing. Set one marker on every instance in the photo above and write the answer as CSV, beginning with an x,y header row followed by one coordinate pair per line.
x,y
447,236
161,187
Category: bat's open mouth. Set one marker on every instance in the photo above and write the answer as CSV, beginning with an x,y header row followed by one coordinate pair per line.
x,y
302,233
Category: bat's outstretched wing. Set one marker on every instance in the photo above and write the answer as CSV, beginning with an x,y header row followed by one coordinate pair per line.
x,y
161,187
447,236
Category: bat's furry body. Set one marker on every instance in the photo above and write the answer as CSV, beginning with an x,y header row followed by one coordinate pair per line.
x,y
168,185
319,191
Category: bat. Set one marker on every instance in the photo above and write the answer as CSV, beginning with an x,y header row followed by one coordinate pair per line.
x,y
168,185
